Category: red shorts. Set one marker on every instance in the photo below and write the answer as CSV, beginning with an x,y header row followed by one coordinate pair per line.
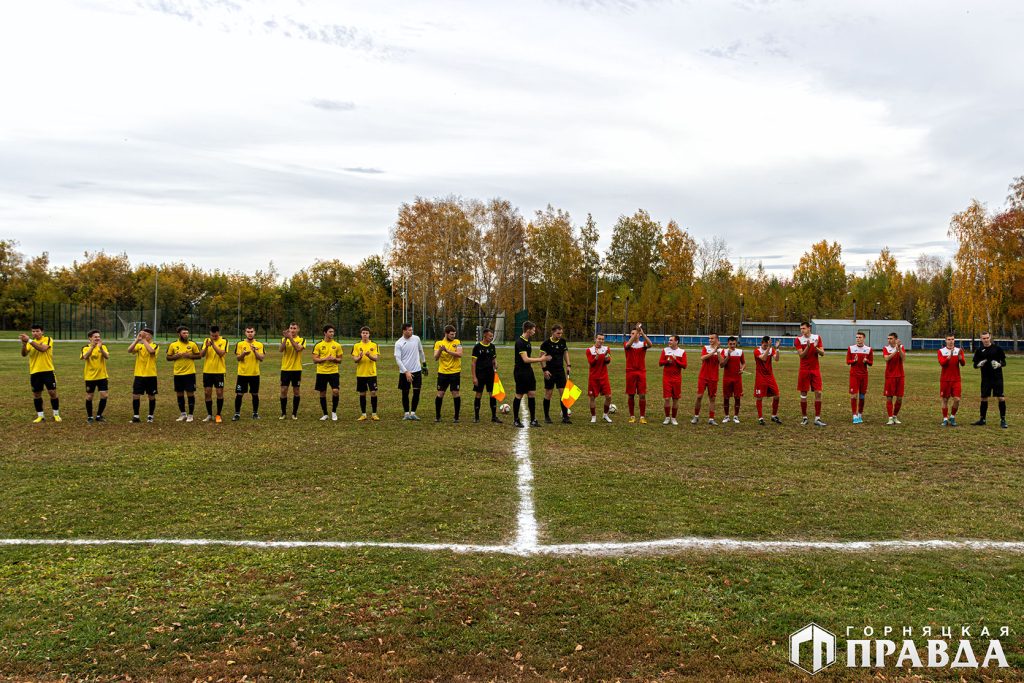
x,y
765,387
894,386
949,388
710,384
732,386
599,386
858,384
672,388
636,382
808,381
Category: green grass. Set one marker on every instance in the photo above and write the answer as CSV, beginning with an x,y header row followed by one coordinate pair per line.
x,y
184,613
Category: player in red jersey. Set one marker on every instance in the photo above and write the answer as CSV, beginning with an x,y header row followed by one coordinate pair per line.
x,y
636,371
859,357
672,362
598,358
712,357
951,358
809,348
894,354
764,378
732,380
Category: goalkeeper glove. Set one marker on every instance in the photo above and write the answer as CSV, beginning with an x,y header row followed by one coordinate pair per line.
x,y
996,365
981,363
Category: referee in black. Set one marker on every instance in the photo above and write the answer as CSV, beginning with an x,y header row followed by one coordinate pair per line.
x,y
556,371
526,380
991,359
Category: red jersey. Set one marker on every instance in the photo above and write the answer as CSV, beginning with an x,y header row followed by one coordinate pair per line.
x,y
733,362
598,359
672,363
894,367
859,358
763,362
809,363
709,366
951,360
636,355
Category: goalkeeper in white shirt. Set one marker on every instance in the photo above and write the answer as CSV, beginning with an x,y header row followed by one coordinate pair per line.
x,y
990,359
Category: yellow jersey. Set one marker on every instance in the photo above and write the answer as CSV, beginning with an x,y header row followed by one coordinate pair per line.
x,y
323,349
366,367
250,365
291,359
183,366
95,364
213,363
448,364
40,361
145,362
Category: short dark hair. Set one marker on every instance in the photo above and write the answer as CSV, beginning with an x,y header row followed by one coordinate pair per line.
x,y
328,327
214,328
92,332
529,325
364,328
805,324
893,334
673,336
950,334
486,330
766,338
555,328
250,327
147,331
182,327
449,328
37,326
732,338
293,323
406,326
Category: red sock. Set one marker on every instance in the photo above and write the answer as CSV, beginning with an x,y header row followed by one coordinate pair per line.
x,y
803,406
860,406
593,411
631,404
736,410
956,407
725,406
896,408
760,412
643,407
853,406
945,411
712,414
666,410
775,406
888,407
817,409
675,409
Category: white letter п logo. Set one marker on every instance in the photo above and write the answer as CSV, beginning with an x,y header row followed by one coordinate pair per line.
x,y
823,648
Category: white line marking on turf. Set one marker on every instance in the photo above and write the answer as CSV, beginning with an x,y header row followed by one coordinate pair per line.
x,y
526,526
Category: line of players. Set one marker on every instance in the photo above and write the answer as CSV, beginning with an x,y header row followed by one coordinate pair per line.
x,y
555,363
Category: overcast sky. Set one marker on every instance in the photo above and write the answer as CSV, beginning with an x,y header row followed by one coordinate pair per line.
x,y
228,133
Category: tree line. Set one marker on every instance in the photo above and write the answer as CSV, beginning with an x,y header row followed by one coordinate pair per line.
x,y
454,258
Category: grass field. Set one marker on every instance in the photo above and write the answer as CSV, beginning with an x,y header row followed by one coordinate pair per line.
x,y
374,613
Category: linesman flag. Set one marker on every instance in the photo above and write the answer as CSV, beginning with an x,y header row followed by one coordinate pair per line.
x,y
570,393
498,393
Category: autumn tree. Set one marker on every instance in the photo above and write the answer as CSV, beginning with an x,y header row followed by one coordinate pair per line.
x,y
635,250
820,280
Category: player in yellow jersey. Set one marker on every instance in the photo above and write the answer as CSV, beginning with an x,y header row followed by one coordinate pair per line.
x,y
292,346
144,350
366,354
250,354
39,349
95,355
448,354
184,352
214,348
327,355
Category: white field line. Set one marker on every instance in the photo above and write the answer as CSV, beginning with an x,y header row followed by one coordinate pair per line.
x,y
526,522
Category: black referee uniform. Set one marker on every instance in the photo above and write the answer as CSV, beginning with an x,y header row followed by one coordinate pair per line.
x,y
556,369
526,382
483,378
990,360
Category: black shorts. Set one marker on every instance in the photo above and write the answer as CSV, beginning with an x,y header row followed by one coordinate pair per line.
x,y
366,384
185,383
992,387
449,381
213,379
484,382
247,384
41,380
525,382
417,381
323,380
144,385
293,377
92,385
557,379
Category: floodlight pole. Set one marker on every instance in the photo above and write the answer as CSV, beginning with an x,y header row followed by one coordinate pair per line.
x,y
156,306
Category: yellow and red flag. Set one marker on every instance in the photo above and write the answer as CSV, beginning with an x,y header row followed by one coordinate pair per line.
x,y
499,389
570,394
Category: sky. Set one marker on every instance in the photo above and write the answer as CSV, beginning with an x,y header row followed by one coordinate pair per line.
x,y
232,133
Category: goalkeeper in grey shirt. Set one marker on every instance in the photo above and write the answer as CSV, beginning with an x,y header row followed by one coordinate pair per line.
x,y
991,359
411,368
